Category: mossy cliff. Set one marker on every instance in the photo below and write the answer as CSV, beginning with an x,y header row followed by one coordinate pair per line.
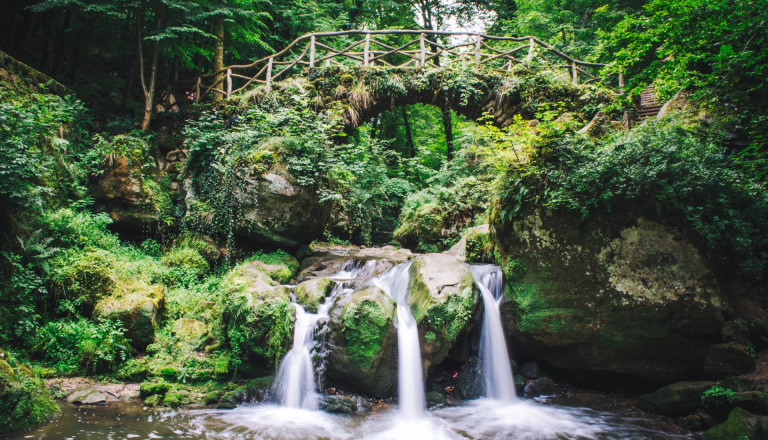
x,y
631,297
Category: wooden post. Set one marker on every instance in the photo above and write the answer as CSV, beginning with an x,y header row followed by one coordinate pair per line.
x,y
621,81
423,49
477,50
312,51
509,66
530,51
574,73
269,74
367,49
229,82
197,90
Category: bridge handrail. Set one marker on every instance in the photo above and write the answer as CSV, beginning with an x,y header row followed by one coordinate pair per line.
x,y
369,57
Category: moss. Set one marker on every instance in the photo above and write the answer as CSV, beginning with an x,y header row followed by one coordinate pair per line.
x,y
258,316
741,425
136,306
312,292
479,247
84,277
204,245
147,389
25,402
174,399
279,265
449,317
186,258
365,325
154,400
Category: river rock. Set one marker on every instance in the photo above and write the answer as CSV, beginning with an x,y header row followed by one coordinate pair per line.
x,y
720,405
443,297
470,381
129,196
624,298
137,308
87,396
725,360
312,292
362,341
25,402
344,404
530,370
540,387
741,424
327,261
258,315
675,399
436,398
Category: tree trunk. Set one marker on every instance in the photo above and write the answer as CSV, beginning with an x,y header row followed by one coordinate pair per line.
x,y
149,90
448,127
218,52
408,135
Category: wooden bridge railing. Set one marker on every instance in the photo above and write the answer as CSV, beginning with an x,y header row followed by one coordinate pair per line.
x,y
411,49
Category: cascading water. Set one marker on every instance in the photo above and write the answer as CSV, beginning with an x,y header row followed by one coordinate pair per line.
x,y
409,366
498,381
296,385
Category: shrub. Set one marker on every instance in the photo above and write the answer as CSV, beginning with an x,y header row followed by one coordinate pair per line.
x,y
83,346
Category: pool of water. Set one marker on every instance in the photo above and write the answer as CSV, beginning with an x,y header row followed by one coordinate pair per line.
x,y
575,416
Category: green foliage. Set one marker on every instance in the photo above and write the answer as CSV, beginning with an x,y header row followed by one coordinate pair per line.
x,y
83,346
186,259
365,325
710,46
664,168
25,402
718,394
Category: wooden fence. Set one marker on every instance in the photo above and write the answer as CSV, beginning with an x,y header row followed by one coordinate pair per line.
x,y
400,49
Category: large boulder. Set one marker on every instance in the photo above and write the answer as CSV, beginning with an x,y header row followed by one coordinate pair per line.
x,y
258,315
741,424
442,296
272,208
675,399
137,307
25,402
129,196
608,298
724,360
363,341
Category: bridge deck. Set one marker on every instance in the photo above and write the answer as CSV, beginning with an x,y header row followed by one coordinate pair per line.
x,y
397,49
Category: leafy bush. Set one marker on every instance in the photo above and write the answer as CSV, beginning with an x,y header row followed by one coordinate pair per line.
x,y
718,394
662,167
83,346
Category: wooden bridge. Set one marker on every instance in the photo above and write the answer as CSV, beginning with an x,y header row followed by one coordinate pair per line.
x,y
399,49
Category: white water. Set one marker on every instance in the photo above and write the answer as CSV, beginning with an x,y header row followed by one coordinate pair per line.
x,y
296,385
498,381
410,384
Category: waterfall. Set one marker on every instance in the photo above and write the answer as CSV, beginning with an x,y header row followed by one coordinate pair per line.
x,y
295,381
498,381
409,366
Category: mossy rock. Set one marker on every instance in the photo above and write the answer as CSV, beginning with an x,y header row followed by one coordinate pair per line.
x,y
312,292
442,297
741,425
258,315
725,360
614,296
274,210
147,389
134,199
203,244
190,334
280,266
137,307
188,259
675,399
25,402
363,341
720,405
154,400
478,245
